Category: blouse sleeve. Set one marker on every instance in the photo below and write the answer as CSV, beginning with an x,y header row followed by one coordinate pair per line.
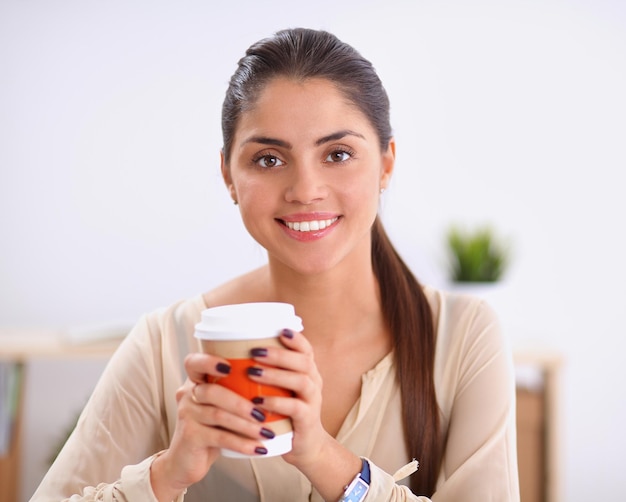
x,y
108,455
480,456
477,395
383,486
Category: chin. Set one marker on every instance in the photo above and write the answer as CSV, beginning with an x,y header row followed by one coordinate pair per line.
x,y
306,265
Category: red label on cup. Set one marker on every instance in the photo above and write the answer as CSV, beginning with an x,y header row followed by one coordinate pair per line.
x,y
239,381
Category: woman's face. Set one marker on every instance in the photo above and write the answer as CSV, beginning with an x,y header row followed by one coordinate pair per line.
x,y
306,170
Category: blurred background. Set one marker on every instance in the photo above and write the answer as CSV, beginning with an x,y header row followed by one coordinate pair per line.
x,y
508,113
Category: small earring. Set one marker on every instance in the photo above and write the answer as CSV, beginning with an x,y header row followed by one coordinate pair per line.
x,y
235,202
382,191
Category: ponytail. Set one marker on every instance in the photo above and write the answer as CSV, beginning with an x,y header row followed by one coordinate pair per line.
x,y
409,317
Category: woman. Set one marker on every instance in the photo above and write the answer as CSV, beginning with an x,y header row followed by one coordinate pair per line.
x,y
385,371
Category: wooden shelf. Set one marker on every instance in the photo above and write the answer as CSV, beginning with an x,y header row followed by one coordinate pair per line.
x,y
10,464
538,426
21,347
25,345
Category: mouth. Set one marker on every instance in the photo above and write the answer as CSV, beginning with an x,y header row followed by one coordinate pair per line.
x,y
310,225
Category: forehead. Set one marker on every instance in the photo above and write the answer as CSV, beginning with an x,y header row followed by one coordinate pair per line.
x,y
301,108
286,88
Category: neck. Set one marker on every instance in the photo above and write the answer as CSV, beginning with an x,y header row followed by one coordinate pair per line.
x,y
331,304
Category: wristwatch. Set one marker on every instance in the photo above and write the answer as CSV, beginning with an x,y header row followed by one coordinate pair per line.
x,y
356,491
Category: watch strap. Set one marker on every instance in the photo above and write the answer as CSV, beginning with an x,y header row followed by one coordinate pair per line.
x,y
365,473
358,488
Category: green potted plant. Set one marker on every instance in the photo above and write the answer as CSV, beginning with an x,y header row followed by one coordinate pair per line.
x,y
477,256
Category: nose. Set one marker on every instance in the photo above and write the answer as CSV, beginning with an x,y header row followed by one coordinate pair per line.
x,y
306,185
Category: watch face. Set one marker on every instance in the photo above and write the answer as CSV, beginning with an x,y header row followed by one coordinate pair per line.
x,y
357,492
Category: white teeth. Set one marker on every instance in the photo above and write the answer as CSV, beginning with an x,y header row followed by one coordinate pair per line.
x,y
310,226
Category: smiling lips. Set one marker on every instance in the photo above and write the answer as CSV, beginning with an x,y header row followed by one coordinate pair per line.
x,y
310,226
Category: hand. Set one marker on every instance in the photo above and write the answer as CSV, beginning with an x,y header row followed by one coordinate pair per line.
x,y
325,462
209,417
294,368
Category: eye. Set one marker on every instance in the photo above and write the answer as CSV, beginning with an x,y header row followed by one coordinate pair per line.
x,y
339,156
268,161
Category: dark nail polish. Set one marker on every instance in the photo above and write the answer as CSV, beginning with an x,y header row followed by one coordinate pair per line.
x,y
258,352
223,368
255,371
260,450
287,333
258,415
258,400
266,433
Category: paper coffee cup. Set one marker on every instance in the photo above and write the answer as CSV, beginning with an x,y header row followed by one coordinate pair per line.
x,y
231,331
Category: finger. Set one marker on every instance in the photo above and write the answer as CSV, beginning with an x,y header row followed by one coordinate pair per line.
x,y
223,438
298,357
296,409
304,385
283,358
235,416
225,421
198,365
204,431
193,394
231,406
295,340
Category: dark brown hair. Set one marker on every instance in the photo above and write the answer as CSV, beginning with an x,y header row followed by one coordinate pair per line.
x,y
302,54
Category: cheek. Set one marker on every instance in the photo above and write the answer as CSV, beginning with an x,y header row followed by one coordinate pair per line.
x,y
248,190
367,200
256,201
363,191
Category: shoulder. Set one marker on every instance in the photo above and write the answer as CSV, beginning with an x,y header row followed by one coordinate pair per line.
x,y
166,330
178,315
457,313
469,339
177,320
467,329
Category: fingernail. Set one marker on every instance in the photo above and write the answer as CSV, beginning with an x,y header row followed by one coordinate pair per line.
x,y
287,333
260,450
258,352
223,368
266,433
258,400
258,415
255,371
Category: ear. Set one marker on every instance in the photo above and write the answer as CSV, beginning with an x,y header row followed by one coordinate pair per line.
x,y
388,163
228,181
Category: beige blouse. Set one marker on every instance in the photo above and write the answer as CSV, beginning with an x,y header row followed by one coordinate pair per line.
x,y
131,417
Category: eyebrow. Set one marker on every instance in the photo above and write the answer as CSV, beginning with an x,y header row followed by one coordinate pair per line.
x,y
265,140
338,135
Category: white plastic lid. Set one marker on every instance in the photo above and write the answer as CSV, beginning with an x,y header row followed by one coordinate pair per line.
x,y
246,321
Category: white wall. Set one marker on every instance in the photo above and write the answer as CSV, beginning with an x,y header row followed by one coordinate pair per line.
x,y
511,112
